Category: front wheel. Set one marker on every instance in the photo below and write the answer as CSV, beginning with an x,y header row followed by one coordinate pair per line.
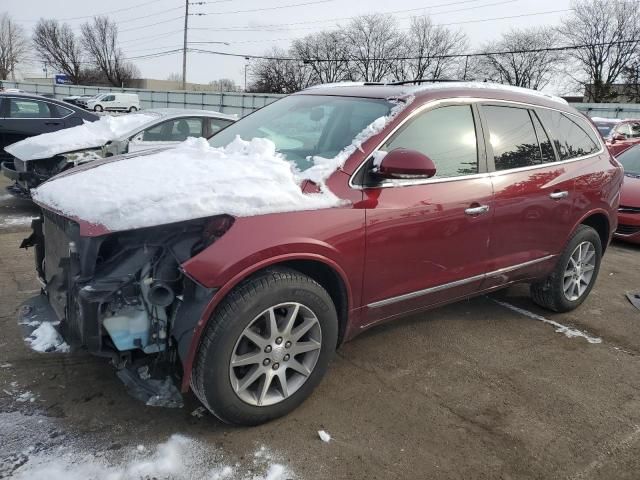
x,y
98,108
575,273
266,348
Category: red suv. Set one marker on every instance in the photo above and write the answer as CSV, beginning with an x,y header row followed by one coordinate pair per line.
x,y
619,135
239,281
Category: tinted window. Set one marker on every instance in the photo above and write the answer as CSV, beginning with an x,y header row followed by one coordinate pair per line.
x,y
27,108
446,135
635,130
512,137
548,155
174,130
63,111
630,160
571,135
217,124
604,128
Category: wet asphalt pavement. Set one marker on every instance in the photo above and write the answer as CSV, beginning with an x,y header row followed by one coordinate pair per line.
x,y
472,390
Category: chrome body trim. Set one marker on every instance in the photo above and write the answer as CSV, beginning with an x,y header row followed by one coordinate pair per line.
x,y
457,283
469,100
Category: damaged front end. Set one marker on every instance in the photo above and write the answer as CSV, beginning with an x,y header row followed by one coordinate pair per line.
x,y
28,174
124,295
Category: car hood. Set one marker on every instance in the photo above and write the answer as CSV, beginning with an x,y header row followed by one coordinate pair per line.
x,y
169,185
89,135
630,194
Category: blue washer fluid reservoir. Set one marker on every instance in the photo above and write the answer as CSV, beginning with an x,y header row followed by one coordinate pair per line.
x,y
129,324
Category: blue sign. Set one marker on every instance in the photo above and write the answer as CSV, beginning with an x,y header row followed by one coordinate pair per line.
x,y
62,79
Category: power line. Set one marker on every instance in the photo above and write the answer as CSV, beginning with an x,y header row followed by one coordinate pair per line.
x,y
455,55
336,19
251,29
147,16
263,9
102,13
151,24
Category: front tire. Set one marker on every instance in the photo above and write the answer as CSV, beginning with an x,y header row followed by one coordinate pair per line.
x,y
98,108
575,273
266,348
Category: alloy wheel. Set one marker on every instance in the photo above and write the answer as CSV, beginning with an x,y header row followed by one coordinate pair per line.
x,y
578,273
275,354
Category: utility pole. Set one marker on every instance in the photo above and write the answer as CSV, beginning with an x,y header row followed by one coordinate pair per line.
x,y
184,49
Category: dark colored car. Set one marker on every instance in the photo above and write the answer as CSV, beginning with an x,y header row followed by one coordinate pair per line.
x,y
619,135
25,115
629,210
442,192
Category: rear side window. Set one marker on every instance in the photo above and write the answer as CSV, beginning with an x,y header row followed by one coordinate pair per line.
x,y
217,124
447,135
572,136
513,138
27,108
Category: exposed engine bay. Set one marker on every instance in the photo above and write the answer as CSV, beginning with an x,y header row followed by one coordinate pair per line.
x,y
124,295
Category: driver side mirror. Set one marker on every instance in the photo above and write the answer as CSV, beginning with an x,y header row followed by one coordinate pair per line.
x,y
618,137
403,163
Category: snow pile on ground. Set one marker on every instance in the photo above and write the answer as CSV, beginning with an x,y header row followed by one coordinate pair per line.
x,y
180,458
193,180
46,338
559,328
87,135
324,436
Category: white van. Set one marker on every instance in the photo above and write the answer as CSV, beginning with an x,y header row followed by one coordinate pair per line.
x,y
127,102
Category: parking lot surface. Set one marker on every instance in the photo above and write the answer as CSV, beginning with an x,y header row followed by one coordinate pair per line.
x,y
477,389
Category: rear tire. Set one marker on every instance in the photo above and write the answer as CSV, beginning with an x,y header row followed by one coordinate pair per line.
x,y
133,109
259,321
574,275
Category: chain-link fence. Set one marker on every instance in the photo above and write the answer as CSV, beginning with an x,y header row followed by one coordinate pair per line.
x,y
232,102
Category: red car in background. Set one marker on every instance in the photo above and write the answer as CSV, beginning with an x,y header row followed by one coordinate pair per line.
x,y
466,189
629,210
618,134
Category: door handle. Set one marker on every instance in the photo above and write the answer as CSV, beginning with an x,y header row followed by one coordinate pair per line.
x,y
475,211
52,123
558,195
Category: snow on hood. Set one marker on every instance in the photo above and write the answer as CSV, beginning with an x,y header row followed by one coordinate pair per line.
x,y
193,180
87,135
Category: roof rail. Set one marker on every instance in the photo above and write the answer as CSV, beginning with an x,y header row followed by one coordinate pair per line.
x,y
419,81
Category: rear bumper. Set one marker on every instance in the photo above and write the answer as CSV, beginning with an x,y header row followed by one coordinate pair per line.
x,y
628,227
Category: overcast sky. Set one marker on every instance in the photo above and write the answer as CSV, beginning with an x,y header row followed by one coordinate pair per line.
x,y
255,32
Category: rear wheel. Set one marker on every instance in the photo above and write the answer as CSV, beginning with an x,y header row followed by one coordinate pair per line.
x,y
266,348
575,274
133,109
98,108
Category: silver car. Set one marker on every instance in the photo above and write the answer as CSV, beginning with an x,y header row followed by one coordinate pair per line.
x,y
39,158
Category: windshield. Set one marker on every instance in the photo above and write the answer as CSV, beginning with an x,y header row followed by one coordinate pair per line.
x,y
604,128
630,160
303,126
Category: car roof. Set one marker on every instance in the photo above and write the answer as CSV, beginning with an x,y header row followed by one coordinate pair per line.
x,y
181,112
425,91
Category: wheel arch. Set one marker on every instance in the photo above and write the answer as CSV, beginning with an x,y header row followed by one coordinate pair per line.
x,y
599,221
323,270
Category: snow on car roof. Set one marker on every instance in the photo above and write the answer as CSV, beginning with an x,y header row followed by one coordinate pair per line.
x,y
391,89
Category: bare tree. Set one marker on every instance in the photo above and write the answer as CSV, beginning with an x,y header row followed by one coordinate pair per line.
x,y
224,85
327,54
280,73
174,77
523,67
100,39
56,45
13,46
608,34
425,49
373,41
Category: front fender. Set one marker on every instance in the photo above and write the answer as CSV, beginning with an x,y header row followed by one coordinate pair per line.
x,y
334,237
